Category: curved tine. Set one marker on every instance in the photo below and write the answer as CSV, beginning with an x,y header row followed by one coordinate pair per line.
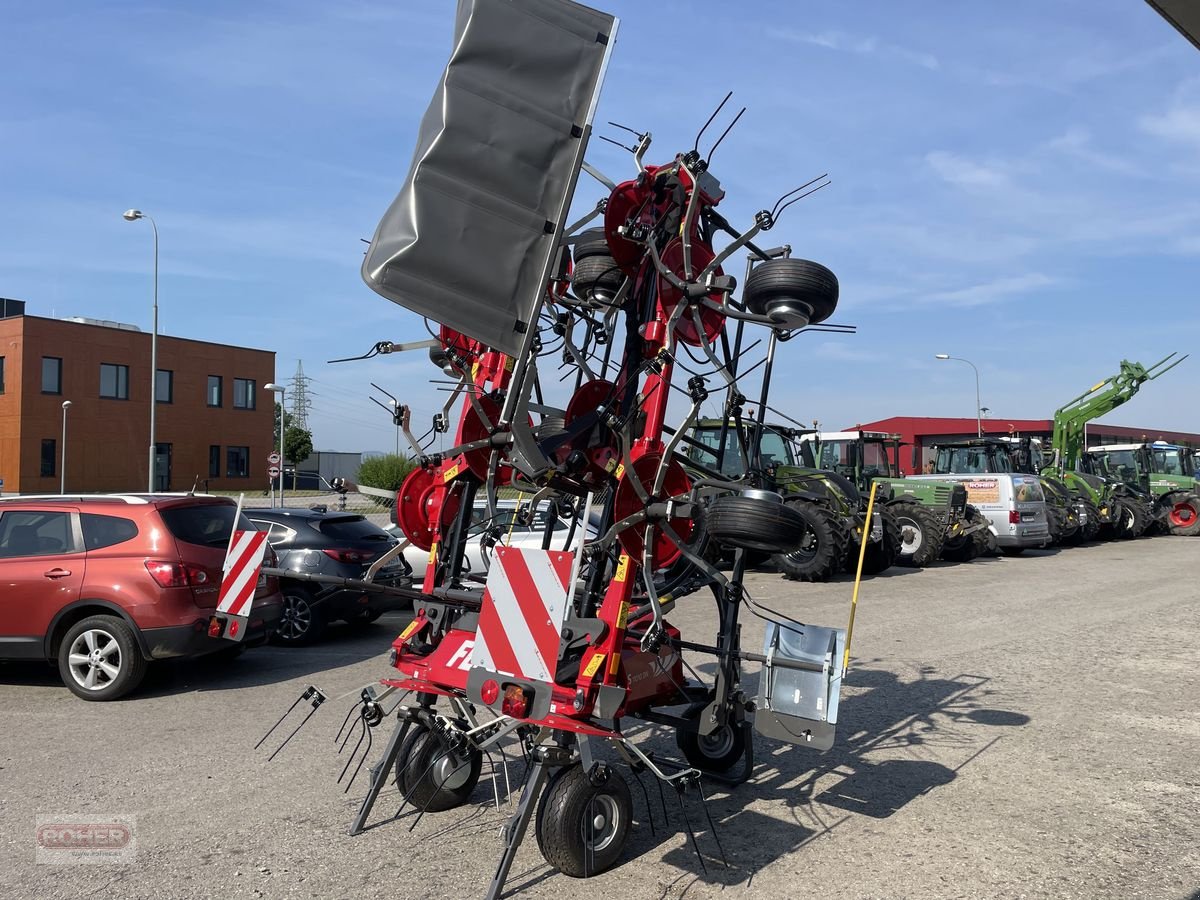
x,y
358,743
436,790
365,755
694,558
802,196
691,834
775,209
345,722
728,129
646,795
712,828
495,787
704,128
706,346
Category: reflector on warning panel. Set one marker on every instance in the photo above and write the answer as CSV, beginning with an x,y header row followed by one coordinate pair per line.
x,y
470,239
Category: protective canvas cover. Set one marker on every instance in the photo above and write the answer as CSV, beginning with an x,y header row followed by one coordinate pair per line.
x,y
468,241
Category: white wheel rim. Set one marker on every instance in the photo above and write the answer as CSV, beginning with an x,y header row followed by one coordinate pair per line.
x,y
94,659
911,536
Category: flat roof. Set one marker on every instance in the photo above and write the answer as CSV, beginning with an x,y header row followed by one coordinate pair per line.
x,y
67,323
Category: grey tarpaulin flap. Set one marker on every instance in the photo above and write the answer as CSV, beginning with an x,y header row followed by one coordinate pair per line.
x,y
468,241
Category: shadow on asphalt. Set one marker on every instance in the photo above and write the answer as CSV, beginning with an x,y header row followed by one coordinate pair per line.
x,y
894,740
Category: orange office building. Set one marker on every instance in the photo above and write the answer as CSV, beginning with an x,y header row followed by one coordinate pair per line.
x,y
215,422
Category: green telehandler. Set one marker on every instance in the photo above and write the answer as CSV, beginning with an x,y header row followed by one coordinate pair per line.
x,y
1125,509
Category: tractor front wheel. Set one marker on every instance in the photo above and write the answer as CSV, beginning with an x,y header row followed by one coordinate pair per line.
x,y
921,534
822,546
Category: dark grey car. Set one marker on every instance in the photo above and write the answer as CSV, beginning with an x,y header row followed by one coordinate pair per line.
x,y
316,542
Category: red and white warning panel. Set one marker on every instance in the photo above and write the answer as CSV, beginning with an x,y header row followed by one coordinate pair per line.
x,y
239,575
524,607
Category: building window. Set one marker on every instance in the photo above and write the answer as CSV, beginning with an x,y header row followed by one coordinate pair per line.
x,y
243,393
214,461
114,381
1,374
164,386
51,375
214,390
49,455
237,462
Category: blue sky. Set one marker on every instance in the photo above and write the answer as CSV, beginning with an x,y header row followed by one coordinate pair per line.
x,y
1015,183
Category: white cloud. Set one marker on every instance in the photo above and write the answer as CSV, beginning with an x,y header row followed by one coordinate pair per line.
x,y
993,291
964,173
1076,143
863,46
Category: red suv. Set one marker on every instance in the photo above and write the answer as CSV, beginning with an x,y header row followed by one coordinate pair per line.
x,y
104,584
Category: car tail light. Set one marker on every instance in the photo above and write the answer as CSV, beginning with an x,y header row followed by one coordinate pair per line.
x,y
173,573
1014,517
516,702
349,556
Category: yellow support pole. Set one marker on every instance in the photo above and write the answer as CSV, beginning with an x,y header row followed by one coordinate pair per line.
x,y
862,555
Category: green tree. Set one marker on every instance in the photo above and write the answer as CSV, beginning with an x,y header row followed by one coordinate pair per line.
x,y
297,447
386,472
287,424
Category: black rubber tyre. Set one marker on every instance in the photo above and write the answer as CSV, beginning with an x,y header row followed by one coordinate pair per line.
x,y
821,550
1136,518
1183,515
882,555
964,548
364,618
99,658
433,777
596,272
802,285
921,534
582,827
1113,530
1089,526
717,752
1012,551
302,621
751,523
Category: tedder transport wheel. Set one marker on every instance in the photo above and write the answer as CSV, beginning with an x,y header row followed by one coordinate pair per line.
x,y
754,523
583,820
1184,515
882,555
596,274
821,548
432,776
921,535
716,752
795,292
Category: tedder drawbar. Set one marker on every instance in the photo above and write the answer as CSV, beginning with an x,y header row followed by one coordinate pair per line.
x,y
558,648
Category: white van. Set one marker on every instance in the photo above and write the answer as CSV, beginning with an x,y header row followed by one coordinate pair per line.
x,y
1014,505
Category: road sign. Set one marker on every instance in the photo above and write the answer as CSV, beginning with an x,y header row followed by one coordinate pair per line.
x,y
273,459
273,471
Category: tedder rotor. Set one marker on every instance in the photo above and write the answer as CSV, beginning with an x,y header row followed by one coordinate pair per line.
x,y
559,647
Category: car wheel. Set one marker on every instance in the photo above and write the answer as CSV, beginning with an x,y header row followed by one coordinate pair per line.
x,y
364,618
301,621
99,658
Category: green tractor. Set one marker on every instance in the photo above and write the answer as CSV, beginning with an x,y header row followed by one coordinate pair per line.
x,y
832,506
1162,471
1070,519
934,517
1125,509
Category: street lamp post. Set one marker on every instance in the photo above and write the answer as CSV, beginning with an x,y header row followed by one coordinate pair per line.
x,y
978,408
132,215
279,389
62,483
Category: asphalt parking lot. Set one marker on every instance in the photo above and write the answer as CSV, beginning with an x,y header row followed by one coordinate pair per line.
x,y
1011,728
